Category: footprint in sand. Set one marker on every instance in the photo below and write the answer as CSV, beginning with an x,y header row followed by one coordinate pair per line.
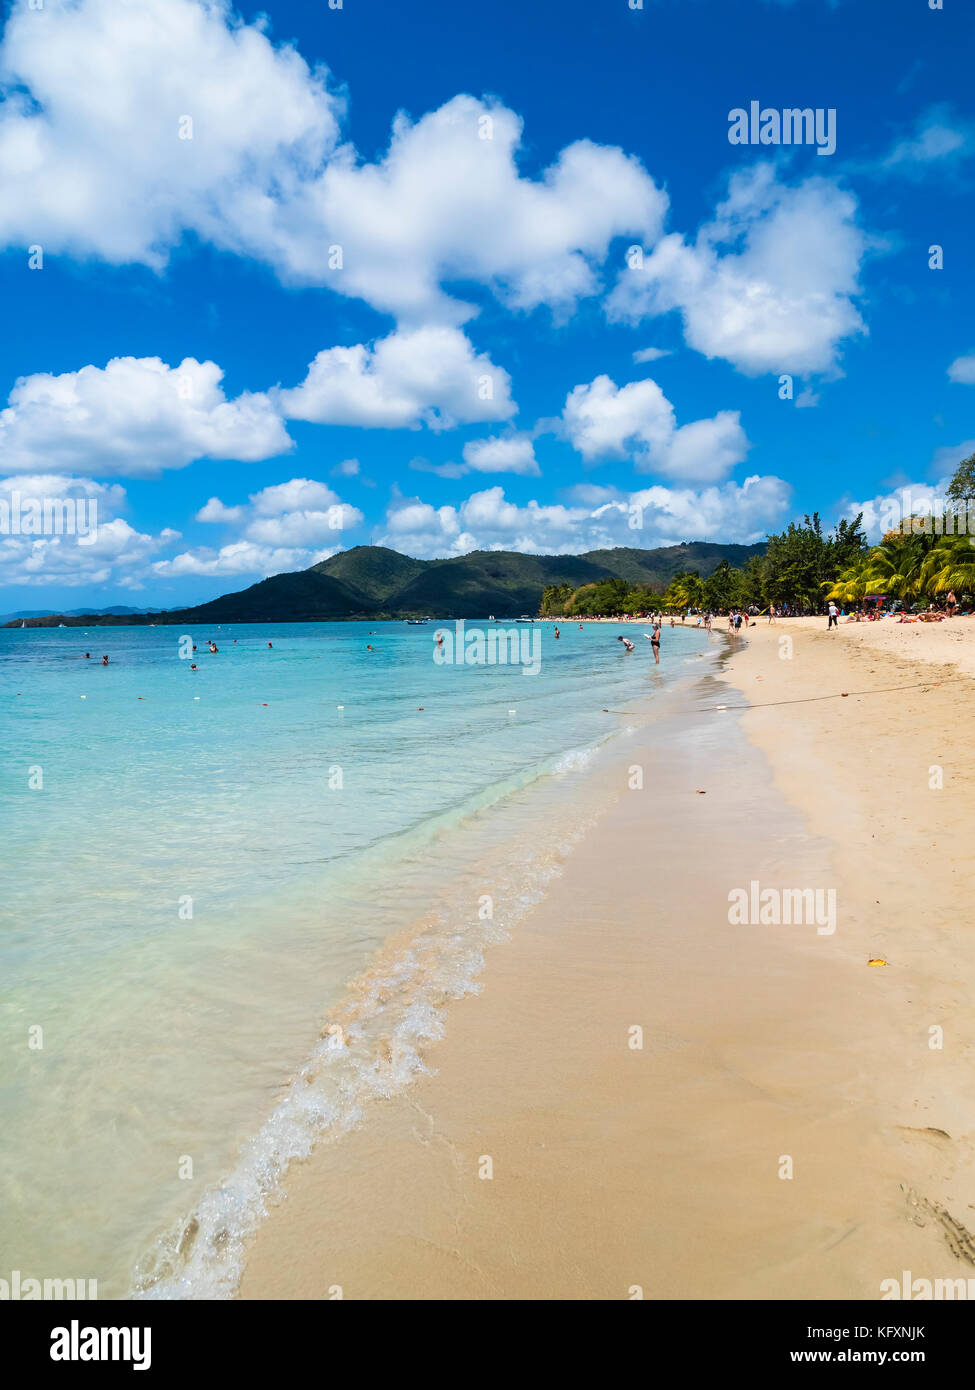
x,y
958,1237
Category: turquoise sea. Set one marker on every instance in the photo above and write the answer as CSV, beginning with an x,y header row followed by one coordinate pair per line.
x,y
236,899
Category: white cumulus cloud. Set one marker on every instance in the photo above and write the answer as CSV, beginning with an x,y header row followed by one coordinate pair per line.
x,y
769,285
963,370
135,417
606,421
513,453
130,123
428,375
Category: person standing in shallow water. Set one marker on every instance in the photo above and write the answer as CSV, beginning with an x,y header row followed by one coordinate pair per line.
x,y
654,637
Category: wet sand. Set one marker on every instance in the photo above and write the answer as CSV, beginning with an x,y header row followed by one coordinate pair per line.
x,y
548,1156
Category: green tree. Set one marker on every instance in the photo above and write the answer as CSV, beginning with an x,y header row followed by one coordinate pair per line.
x,y
753,582
949,565
797,563
554,599
962,486
722,588
686,590
848,542
894,567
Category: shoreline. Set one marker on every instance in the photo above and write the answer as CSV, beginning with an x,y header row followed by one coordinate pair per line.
x,y
657,1168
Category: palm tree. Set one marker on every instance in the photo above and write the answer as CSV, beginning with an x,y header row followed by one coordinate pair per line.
x,y
686,590
850,586
895,566
950,565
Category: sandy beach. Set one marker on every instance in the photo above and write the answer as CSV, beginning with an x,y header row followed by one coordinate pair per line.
x,y
647,1100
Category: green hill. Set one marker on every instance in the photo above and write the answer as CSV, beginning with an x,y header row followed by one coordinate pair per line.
x,y
373,582
658,567
372,570
491,581
301,597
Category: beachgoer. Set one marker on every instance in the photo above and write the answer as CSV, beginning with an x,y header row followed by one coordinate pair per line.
x,y
556,632
626,643
951,603
834,614
104,660
655,643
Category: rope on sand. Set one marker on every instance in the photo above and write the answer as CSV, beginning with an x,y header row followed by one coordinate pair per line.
x,y
810,699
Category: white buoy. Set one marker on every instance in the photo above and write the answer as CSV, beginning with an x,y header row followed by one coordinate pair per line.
x,y
340,707
512,711
84,697
196,697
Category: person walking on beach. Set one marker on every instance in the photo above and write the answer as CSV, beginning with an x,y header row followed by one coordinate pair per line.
x,y
707,623
951,603
771,612
834,615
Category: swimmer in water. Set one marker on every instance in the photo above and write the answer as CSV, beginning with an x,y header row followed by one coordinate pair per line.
x,y
556,632
269,644
104,660
626,643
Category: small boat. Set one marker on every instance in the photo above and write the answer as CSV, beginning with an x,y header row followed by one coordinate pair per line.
x,y
525,619
416,622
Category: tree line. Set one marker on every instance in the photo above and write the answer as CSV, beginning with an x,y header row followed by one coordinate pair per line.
x,y
918,562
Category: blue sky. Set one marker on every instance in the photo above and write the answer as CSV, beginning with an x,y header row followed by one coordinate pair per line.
x,y
452,277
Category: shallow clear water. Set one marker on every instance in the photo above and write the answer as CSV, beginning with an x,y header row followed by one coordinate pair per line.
x,y
202,882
